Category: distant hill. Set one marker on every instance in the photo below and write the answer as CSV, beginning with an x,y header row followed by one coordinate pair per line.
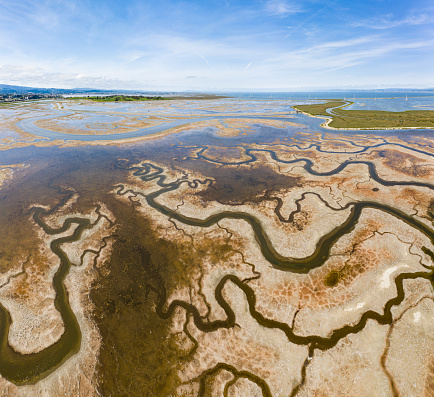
x,y
16,89
6,89
12,89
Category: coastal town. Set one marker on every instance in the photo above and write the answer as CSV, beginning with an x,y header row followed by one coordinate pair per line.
x,y
27,97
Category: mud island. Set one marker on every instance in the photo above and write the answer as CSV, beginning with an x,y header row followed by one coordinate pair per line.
x,y
215,247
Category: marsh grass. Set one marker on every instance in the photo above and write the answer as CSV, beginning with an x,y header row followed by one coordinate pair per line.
x,y
367,119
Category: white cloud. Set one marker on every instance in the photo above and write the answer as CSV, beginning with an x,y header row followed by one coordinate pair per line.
x,y
388,21
206,60
39,77
344,43
208,51
112,53
335,55
281,7
24,13
247,66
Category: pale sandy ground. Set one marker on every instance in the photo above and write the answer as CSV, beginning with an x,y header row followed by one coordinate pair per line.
x,y
375,253
37,324
374,361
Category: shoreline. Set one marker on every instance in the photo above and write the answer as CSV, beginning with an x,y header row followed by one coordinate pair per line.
x,y
328,120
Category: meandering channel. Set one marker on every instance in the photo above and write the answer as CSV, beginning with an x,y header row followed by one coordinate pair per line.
x,y
29,126
23,369
29,368
298,265
148,172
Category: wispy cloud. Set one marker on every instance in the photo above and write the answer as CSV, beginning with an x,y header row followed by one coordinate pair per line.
x,y
206,60
310,17
36,76
335,55
247,66
282,7
69,43
389,21
353,42
182,46
45,14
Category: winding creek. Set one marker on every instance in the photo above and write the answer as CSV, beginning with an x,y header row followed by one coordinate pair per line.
x,y
28,126
29,368
299,265
24,369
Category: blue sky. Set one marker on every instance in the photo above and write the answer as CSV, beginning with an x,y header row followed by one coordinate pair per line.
x,y
217,45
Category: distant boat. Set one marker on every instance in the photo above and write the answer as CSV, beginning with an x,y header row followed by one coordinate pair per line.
x,y
406,97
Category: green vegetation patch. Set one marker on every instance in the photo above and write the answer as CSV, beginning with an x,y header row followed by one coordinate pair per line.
x,y
320,109
120,98
368,119
131,98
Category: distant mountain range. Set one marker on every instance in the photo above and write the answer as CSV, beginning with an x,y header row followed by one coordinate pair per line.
x,y
17,89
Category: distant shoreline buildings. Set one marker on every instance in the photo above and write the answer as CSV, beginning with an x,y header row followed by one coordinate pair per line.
x,y
26,97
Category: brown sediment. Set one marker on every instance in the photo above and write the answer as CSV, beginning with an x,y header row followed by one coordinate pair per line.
x,y
406,163
144,269
430,210
429,383
264,322
166,268
133,336
237,375
237,185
